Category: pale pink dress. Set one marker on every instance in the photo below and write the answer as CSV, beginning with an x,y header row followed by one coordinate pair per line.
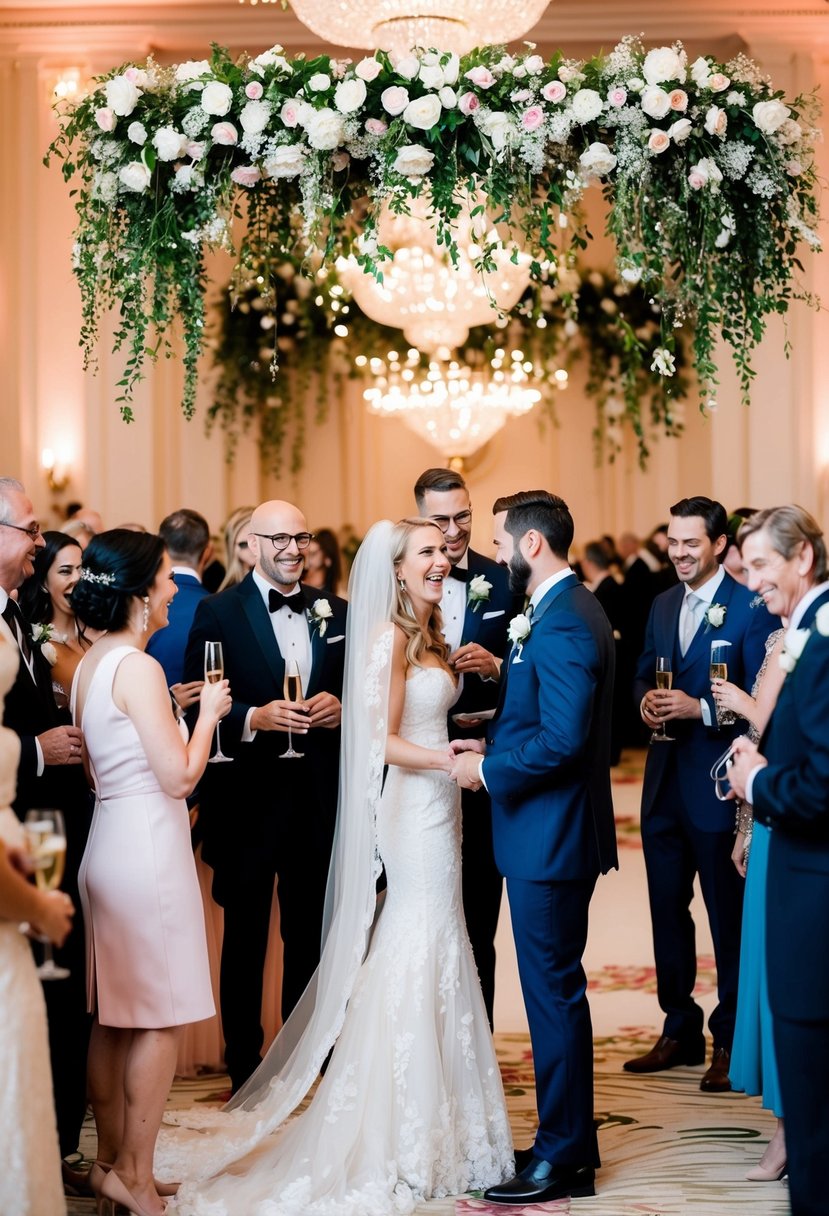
x,y
147,963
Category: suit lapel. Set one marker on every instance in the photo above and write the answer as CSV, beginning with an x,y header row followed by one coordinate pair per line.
x,y
704,635
471,620
260,623
318,643
546,604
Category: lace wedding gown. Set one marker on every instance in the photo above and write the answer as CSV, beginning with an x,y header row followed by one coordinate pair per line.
x,y
411,1106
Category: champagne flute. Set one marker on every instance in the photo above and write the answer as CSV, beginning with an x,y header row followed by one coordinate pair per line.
x,y
46,840
292,691
214,671
664,679
719,661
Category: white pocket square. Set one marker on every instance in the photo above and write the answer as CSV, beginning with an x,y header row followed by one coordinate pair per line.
x,y
339,638
489,615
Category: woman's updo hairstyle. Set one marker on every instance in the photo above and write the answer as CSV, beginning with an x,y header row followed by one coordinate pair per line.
x,y
117,565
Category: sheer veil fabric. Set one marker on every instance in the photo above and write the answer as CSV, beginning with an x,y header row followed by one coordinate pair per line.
x,y
205,1143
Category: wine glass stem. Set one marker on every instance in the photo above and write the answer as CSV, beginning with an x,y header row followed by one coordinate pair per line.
x,y
290,740
218,741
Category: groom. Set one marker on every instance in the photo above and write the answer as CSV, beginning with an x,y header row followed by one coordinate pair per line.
x,y
547,769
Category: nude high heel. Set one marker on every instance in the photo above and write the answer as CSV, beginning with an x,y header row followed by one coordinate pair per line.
x,y
762,1173
114,1190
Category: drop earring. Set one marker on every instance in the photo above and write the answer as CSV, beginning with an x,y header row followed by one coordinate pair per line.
x,y
401,582
146,621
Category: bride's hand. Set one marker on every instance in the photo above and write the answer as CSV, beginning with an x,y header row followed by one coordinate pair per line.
x,y
467,745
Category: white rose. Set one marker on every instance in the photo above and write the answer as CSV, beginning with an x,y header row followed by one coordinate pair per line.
x,y
255,116
169,143
272,58
431,75
122,95
680,130
322,609
716,121
587,105
216,98
655,101
368,68
192,70
451,69
423,112
448,98
534,64
519,628
135,177
137,133
394,99
715,616
413,160
224,133
632,274
598,160
767,115
349,95
184,177
662,64
324,129
795,642
698,175
499,128
285,161
319,82
700,72
407,67
822,620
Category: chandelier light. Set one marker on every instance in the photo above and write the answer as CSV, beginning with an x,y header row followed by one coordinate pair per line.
x,y
453,406
423,293
398,25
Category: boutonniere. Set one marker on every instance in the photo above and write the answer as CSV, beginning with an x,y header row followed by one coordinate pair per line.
x,y
320,614
793,645
714,616
42,637
478,591
518,631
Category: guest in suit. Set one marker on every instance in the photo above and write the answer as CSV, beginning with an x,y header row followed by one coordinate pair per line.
x,y
685,829
49,774
264,818
547,769
786,778
599,578
186,536
475,627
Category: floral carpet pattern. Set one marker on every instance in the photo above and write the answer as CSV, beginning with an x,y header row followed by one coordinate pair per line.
x,y
667,1149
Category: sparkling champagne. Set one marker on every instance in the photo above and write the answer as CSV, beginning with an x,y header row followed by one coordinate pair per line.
x,y
292,688
213,676
49,863
719,671
664,679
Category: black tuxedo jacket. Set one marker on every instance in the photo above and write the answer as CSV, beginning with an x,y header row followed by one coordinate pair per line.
x,y
239,619
487,625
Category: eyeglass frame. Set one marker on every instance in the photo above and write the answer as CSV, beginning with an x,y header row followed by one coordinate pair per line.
x,y
300,536
462,520
33,532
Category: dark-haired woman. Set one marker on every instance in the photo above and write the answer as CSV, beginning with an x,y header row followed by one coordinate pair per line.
x,y
147,958
45,601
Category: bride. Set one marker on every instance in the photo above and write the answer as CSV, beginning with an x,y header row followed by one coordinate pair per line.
x,y
411,1106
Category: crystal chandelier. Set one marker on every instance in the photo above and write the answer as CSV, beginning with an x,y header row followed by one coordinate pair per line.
x,y
434,301
398,25
453,406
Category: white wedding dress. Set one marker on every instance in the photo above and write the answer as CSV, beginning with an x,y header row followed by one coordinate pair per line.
x,y
411,1106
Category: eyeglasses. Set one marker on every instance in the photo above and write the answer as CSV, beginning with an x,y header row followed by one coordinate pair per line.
x,y
462,520
32,531
282,539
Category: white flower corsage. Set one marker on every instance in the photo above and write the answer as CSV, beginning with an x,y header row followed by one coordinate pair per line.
x,y
478,591
793,644
822,620
320,614
41,636
714,616
518,631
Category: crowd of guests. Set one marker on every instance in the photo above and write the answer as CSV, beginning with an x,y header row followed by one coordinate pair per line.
x,y
734,791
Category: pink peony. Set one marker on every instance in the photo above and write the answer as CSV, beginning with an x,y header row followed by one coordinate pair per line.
x,y
468,103
481,76
376,126
224,133
254,90
246,175
105,118
532,119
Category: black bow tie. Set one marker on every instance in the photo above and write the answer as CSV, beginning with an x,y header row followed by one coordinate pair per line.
x,y
463,576
277,600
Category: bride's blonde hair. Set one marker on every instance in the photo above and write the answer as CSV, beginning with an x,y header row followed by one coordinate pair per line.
x,y
418,643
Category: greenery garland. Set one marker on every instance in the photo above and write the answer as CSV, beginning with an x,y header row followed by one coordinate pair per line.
x,y
708,174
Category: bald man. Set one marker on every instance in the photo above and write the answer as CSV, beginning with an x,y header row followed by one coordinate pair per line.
x,y
265,818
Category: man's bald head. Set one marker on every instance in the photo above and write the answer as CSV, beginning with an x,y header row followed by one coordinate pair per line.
x,y
280,565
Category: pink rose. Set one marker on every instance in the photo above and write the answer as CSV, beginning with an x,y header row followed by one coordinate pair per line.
x,y
291,111
658,141
696,179
718,82
481,76
678,99
246,175
133,75
394,99
532,119
105,118
195,150
554,90
369,68
617,97
224,133
521,95
254,90
468,103
376,126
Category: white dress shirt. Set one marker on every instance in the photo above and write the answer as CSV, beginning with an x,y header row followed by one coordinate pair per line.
x,y
292,637
707,592
453,606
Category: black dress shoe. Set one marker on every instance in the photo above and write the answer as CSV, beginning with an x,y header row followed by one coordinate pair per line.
x,y
76,1182
542,1181
716,1079
523,1157
667,1053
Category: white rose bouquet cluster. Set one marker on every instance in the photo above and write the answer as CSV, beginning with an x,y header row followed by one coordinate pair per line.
x,y
707,170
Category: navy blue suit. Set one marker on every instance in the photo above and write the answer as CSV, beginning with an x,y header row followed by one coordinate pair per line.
x,y
485,623
168,645
791,795
264,818
547,769
685,829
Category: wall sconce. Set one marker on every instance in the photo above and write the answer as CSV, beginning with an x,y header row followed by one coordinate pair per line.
x,y
57,471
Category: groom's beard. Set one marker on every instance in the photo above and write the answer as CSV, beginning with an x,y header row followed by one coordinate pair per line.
x,y
519,574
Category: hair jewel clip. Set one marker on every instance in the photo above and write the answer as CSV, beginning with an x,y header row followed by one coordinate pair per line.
x,y
89,576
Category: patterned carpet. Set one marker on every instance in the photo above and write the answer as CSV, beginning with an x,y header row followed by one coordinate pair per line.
x,y
666,1147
